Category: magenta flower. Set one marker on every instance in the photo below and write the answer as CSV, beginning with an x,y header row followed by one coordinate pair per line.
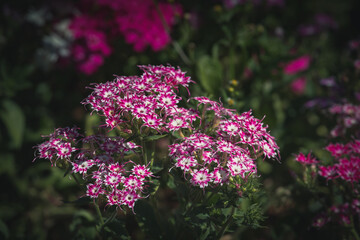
x,y
349,170
141,25
337,149
300,64
301,158
90,65
298,85
328,172
139,22
201,177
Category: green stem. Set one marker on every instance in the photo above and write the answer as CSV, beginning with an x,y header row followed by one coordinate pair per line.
x,y
152,154
208,197
110,218
355,234
353,231
99,214
144,153
175,44
75,178
232,62
227,223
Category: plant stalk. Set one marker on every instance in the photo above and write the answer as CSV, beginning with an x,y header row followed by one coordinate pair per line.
x,y
99,214
227,223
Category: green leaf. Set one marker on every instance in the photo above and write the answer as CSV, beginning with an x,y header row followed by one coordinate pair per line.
x,y
205,234
155,137
202,216
4,231
147,220
91,122
210,74
14,120
153,186
117,229
83,225
171,182
80,202
176,134
7,164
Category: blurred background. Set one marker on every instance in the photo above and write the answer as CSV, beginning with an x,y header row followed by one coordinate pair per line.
x,y
288,60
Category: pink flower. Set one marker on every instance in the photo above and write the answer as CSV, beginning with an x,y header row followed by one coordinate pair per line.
x,y
91,64
337,149
349,170
301,158
328,172
201,177
96,41
297,65
141,25
298,85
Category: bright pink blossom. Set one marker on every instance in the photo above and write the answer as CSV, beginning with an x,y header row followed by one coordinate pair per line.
x,y
301,158
297,65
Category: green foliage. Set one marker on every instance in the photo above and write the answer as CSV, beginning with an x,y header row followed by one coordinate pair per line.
x,y
14,121
210,74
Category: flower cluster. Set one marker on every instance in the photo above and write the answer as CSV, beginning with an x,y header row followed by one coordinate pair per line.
x,y
346,168
214,145
224,147
149,100
100,160
348,118
338,213
139,22
347,162
91,43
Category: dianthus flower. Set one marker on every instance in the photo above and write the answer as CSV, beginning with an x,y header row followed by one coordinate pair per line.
x,y
149,100
101,165
223,148
347,162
